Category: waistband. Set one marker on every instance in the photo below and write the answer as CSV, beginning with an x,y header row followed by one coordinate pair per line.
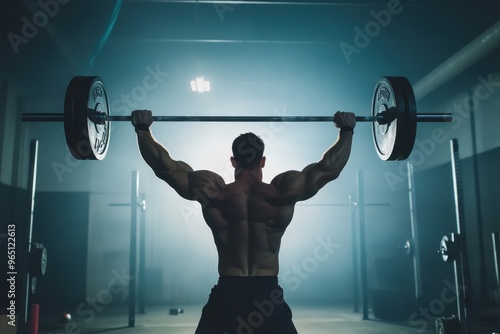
x,y
249,280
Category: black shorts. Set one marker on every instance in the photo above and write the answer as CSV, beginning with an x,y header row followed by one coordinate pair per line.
x,y
246,305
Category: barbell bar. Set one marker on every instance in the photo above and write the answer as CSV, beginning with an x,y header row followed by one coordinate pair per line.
x,y
58,117
87,119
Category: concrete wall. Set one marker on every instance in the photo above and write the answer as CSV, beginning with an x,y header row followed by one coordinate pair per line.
x,y
14,153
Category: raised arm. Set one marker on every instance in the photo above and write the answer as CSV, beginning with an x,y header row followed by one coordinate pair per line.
x,y
190,184
299,186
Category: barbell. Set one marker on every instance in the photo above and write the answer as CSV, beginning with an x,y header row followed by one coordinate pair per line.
x,y
87,119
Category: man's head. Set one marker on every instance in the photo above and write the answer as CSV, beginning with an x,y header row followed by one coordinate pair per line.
x,y
248,150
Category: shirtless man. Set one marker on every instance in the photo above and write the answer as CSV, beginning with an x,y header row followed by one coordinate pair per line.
x,y
248,218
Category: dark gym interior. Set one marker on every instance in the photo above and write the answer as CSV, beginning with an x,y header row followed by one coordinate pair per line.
x,y
126,254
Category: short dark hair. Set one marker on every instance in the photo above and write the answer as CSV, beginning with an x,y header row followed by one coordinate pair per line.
x,y
248,150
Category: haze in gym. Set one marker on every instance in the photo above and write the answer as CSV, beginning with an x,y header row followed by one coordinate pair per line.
x,y
366,254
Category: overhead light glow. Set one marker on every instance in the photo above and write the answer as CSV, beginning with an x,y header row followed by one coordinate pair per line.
x,y
200,85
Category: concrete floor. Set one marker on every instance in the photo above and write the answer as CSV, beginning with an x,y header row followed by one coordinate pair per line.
x,y
308,320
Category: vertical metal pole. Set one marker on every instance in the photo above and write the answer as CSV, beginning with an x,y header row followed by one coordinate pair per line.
x,y
25,293
461,265
477,191
415,244
133,248
355,265
496,258
362,245
142,255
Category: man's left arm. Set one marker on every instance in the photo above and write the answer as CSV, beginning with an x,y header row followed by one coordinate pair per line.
x,y
300,186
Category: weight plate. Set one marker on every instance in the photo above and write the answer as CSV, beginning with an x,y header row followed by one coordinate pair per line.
x,y
43,264
409,131
443,248
448,250
33,285
449,325
38,261
408,248
86,140
394,95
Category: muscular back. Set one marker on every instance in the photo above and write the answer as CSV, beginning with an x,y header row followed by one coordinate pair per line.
x,y
247,221
247,217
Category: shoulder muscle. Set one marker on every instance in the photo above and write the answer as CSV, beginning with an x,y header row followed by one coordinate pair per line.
x,y
205,185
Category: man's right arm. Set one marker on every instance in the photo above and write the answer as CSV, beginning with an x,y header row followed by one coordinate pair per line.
x,y
192,185
175,173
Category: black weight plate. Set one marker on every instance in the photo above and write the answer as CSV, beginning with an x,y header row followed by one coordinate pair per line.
x,y
38,261
394,141
86,140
